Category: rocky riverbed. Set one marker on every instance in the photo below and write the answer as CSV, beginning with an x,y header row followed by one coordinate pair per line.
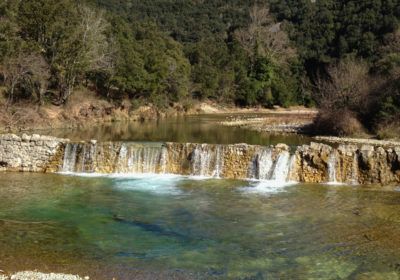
x,y
284,122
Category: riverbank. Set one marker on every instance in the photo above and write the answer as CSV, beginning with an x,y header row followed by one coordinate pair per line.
x,y
298,121
86,109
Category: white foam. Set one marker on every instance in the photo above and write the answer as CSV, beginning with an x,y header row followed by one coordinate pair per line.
x,y
164,184
201,178
267,186
167,184
83,174
334,184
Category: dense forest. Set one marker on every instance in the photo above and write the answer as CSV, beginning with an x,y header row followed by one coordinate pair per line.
x,y
341,56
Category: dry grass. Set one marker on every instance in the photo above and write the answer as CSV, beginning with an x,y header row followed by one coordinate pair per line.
x,y
20,117
389,130
338,123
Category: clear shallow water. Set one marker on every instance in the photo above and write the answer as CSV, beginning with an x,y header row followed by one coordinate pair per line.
x,y
176,227
190,129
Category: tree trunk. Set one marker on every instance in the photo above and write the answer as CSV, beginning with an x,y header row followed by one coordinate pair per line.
x,y
11,95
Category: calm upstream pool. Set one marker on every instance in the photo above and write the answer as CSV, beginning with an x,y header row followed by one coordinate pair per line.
x,y
171,227
189,129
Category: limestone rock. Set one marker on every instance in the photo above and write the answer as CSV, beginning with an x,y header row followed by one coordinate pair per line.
x,y
310,163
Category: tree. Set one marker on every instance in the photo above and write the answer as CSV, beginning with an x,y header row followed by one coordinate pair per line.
x,y
347,86
388,66
344,97
270,57
264,37
25,68
72,38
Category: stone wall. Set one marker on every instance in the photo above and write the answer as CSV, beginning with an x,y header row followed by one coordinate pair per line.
x,y
314,163
353,164
31,153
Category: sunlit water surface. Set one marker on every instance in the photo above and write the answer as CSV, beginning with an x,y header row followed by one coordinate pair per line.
x,y
175,227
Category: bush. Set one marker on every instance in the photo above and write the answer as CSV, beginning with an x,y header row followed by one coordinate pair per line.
x,y
338,123
389,130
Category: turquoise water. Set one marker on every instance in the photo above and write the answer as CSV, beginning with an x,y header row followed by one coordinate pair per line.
x,y
177,227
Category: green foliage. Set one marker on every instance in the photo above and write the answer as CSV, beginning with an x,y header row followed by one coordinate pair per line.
x,y
167,51
149,63
326,30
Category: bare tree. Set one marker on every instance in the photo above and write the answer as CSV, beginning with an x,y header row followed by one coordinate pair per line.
x,y
86,49
343,97
39,79
347,87
25,68
265,37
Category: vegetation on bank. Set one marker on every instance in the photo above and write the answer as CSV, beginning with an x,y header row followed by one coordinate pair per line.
x,y
342,56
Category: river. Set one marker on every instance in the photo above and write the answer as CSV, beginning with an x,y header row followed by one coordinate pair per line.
x,y
148,226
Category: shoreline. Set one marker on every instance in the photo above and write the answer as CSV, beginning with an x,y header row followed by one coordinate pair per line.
x,y
88,114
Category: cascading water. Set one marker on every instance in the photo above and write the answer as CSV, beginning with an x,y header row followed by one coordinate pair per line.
x,y
201,160
139,159
332,169
204,160
219,162
264,165
164,160
354,173
282,166
70,155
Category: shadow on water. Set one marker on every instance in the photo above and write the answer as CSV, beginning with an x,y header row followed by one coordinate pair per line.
x,y
151,228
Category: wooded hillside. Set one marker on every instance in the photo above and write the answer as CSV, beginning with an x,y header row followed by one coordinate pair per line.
x,y
342,56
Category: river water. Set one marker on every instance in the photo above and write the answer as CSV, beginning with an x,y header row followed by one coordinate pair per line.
x,y
190,129
146,226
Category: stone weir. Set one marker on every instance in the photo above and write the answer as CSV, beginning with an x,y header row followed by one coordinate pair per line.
x,y
314,163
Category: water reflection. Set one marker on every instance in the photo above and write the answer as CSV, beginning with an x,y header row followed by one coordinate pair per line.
x,y
193,129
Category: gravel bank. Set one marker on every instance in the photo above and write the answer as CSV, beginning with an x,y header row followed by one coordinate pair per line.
x,y
358,141
273,123
31,275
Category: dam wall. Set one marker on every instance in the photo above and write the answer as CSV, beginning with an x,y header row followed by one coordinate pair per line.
x,y
30,153
314,163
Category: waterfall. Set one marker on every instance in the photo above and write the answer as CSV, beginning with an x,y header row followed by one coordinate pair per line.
x,y
122,162
219,162
354,171
164,160
281,170
205,160
151,159
70,155
332,168
140,159
264,165
201,160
